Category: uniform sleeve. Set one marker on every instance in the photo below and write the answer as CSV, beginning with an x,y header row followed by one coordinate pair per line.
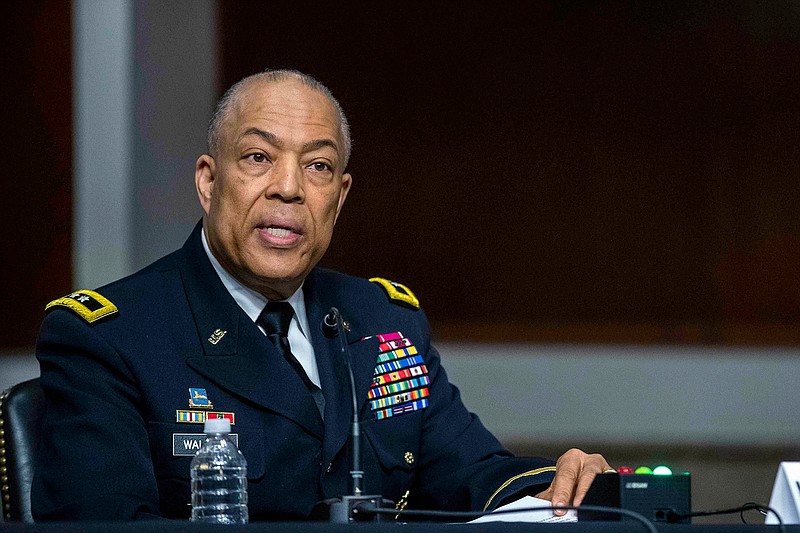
x,y
463,466
93,460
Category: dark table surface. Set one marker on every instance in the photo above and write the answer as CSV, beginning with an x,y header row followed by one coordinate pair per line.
x,y
426,527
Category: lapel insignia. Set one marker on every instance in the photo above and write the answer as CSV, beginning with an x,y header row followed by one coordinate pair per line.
x,y
400,379
199,417
217,336
399,294
89,305
198,398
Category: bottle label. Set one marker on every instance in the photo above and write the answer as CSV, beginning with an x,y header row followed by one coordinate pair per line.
x,y
189,444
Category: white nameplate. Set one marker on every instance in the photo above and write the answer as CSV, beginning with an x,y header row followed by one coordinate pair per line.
x,y
188,444
785,497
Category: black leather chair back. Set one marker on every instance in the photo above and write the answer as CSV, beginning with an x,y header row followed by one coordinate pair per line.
x,y
21,411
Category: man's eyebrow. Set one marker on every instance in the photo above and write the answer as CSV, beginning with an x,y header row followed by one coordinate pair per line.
x,y
273,139
316,144
268,136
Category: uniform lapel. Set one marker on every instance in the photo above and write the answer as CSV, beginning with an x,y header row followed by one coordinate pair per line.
x,y
236,355
332,372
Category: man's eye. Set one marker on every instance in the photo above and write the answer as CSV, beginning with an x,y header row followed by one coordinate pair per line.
x,y
258,158
320,167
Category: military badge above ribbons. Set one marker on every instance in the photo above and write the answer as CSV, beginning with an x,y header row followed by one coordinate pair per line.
x,y
198,398
400,379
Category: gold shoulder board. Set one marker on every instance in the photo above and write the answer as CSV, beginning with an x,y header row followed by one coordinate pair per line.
x,y
397,292
89,305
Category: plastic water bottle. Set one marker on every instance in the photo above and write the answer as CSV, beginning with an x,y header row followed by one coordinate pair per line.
x,y
219,478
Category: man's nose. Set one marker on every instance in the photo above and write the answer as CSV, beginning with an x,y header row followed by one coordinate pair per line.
x,y
286,182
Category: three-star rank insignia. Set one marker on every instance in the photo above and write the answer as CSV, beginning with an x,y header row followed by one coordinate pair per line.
x,y
89,305
198,398
398,293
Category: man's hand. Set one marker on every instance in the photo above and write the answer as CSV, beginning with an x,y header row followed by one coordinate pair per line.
x,y
575,471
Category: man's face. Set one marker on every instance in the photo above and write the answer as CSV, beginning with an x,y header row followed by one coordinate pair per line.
x,y
273,192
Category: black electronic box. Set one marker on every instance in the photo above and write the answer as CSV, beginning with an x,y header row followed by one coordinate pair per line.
x,y
657,498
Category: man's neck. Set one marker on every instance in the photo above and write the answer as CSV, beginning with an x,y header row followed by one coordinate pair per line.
x,y
250,300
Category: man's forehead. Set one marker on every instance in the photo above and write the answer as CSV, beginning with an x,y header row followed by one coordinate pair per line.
x,y
276,105
287,98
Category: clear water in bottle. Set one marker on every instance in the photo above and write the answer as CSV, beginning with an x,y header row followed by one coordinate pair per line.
x,y
219,478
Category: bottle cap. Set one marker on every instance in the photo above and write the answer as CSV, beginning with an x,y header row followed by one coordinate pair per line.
x,y
217,425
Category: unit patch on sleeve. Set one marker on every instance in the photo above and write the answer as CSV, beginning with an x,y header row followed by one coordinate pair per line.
x,y
400,380
399,294
89,305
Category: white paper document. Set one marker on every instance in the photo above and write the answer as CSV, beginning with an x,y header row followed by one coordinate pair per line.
x,y
542,515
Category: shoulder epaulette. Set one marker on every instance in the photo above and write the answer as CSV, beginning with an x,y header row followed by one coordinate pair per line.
x,y
398,293
89,305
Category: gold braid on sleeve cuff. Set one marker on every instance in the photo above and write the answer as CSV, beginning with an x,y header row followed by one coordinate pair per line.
x,y
511,481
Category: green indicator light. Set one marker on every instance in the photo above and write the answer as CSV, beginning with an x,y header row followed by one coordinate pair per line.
x,y
643,470
662,471
687,473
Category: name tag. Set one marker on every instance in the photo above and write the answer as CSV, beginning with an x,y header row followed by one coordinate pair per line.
x,y
190,443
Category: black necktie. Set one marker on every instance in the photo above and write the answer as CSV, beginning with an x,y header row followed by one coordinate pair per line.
x,y
275,319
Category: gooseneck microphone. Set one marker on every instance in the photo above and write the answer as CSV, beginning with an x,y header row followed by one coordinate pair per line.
x,y
355,506
356,486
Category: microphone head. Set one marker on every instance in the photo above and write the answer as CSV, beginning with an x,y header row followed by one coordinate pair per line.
x,y
330,323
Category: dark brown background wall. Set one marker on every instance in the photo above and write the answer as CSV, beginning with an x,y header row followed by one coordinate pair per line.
x,y
36,218
622,171
609,171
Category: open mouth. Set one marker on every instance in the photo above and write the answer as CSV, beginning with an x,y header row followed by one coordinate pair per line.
x,y
280,235
278,232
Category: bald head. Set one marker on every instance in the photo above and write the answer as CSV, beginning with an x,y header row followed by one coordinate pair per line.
x,y
232,98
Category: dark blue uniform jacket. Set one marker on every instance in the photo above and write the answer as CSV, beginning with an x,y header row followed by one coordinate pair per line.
x,y
114,446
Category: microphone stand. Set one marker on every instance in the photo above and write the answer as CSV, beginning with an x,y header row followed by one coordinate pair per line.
x,y
356,506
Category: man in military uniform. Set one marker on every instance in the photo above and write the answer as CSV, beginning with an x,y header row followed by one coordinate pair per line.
x,y
233,325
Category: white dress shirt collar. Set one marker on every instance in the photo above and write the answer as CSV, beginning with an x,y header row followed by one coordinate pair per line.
x,y
253,302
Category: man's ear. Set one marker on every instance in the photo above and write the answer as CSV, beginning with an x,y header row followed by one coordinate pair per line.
x,y
204,173
347,181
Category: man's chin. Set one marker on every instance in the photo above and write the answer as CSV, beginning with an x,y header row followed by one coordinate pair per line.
x,y
275,283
